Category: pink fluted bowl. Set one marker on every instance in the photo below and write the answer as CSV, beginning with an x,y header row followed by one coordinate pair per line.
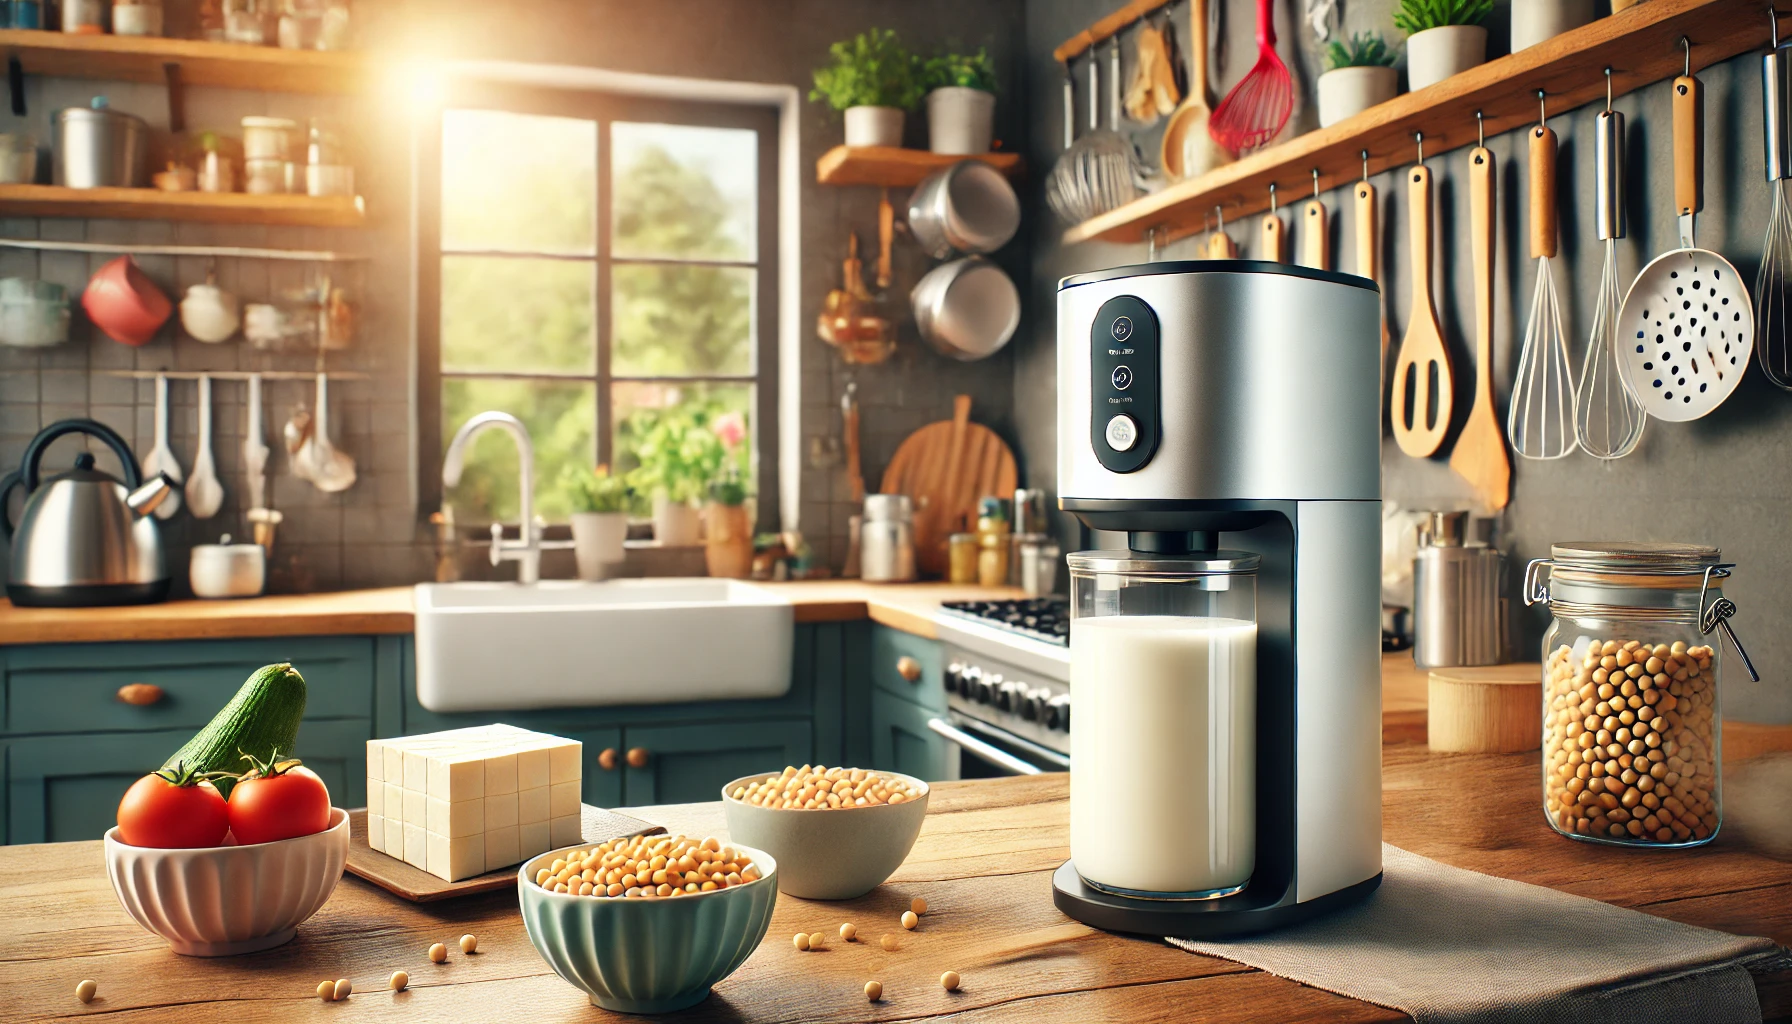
x,y
225,900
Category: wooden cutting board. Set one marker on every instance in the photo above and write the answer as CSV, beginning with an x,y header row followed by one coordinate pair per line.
x,y
420,886
945,467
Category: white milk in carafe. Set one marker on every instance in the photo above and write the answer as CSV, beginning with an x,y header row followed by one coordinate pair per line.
x,y
1163,752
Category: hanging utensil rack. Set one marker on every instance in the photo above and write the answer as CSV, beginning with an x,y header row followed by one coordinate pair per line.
x,y
1640,45
216,251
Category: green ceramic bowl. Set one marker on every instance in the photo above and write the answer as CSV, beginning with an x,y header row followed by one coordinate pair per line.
x,y
647,956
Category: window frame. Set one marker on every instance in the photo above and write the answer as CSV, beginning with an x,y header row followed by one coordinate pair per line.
x,y
605,108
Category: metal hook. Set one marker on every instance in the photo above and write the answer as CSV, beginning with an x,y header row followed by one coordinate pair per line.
x,y
1219,216
1686,44
1480,131
1608,89
1151,243
1420,136
1542,111
1365,165
1272,198
1774,16
1315,184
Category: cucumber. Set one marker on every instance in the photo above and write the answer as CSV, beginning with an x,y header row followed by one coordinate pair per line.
x,y
263,717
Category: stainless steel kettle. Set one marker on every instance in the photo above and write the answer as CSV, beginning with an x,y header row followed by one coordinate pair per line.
x,y
84,538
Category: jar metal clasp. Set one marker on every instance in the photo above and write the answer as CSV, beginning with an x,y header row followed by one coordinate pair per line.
x,y
1534,591
1716,615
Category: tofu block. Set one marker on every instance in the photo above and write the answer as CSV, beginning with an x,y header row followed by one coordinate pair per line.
x,y
416,771
394,770
501,848
563,799
455,820
500,773
500,811
563,762
416,809
454,859
376,760
376,798
532,839
416,846
376,832
532,806
457,775
394,838
531,768
393,799
564,831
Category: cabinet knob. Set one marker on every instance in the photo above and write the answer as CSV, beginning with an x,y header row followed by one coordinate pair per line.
x,y
908,668
607,759
140,694
637,757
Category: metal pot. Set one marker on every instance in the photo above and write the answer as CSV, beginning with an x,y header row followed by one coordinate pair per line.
x,y
967,207
966,309
97,147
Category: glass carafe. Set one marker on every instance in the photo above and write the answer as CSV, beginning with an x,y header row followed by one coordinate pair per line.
x,y
1163,748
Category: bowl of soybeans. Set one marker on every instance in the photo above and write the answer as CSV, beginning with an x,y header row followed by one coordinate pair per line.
x,y
837,833
648,924
1630,741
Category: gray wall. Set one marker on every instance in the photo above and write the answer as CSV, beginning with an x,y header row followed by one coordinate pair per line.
x,y
1723,480
370,535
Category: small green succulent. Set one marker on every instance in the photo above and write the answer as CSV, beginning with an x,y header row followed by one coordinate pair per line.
x,y
1363,50
872,69
1418,15
967,70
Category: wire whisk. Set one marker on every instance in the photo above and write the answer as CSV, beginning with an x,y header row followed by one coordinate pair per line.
x,y
1608,419
1772,304
1541,420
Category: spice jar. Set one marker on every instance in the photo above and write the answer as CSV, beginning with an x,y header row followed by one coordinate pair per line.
x,y
992,540
961,558
1631,683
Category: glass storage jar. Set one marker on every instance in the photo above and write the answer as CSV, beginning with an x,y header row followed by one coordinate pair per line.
x,y
1163,675
1632,730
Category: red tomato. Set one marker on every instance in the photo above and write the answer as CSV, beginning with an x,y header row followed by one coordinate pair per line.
x,y
158,813
266,808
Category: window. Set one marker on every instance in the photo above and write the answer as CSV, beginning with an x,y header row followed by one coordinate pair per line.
x,y
593,264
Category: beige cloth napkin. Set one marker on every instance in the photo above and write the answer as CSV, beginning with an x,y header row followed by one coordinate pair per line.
x,y
1450,946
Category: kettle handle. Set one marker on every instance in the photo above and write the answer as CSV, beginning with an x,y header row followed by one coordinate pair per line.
x,y
133,477
7,483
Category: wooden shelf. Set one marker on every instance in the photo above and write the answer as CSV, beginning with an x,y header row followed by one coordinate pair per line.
x,y
897,168
145,59
154,204
1641,45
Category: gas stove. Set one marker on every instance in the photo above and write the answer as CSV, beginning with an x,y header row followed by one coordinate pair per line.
x,y
1041,618
1007,682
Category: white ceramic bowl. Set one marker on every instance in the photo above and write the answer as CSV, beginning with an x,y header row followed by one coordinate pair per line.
x,y
837,854
224,900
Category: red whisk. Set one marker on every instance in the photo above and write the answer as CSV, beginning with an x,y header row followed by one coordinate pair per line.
x,y
1258,106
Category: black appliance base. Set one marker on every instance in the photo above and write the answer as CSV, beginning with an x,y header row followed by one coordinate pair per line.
x,y
86,595
1189,919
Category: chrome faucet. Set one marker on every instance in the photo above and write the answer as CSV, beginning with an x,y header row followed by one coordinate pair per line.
x,y
527,551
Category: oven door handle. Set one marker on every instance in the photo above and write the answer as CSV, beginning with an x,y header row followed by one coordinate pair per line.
x,y
987,751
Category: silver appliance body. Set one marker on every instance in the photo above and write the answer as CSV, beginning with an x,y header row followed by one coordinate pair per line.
x,y
84,537
1458,613
1243,398
96,147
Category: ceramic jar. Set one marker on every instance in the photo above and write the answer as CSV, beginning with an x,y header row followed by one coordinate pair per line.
x,y
209,313
227,570
1437,53
1346,92
1533,21
960,120
873,126
728,541
597,543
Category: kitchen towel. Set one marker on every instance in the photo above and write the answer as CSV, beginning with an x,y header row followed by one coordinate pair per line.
x,y
1450,946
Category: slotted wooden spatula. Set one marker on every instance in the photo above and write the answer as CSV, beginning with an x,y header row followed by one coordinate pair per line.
x,y
1480,453
1422,401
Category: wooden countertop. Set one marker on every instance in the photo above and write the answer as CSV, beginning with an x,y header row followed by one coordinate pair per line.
x,y
983,862
905,606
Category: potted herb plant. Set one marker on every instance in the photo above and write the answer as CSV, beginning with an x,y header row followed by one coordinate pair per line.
x,y
727,524
1533,21
679,455
961,102
1361,75
1443,38
599,519
873,79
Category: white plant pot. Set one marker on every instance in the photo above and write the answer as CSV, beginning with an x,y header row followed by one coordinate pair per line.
x,y
873,126
960,121
597,543
1533,21
676,524
1437,53
1349,91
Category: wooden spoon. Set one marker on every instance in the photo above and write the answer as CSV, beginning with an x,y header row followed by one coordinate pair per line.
x,y
1480,453
1275,237
1423,403
1316,236
1368,259
1187,150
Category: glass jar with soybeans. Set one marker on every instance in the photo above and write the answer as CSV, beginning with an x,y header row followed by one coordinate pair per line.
x,y
1632,724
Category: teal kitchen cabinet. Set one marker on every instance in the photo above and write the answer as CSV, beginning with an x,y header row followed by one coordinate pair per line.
x,y
601,764
901,741
908,666
62,788
689,763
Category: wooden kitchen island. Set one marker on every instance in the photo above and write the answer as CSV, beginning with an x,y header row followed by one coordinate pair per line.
x,y
983,862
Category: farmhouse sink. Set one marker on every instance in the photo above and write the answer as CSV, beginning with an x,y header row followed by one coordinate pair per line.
x,y
508,646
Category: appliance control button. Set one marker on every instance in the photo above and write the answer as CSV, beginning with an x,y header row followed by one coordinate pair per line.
x,y
1058,712
1122,328
1121,378
1122,433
